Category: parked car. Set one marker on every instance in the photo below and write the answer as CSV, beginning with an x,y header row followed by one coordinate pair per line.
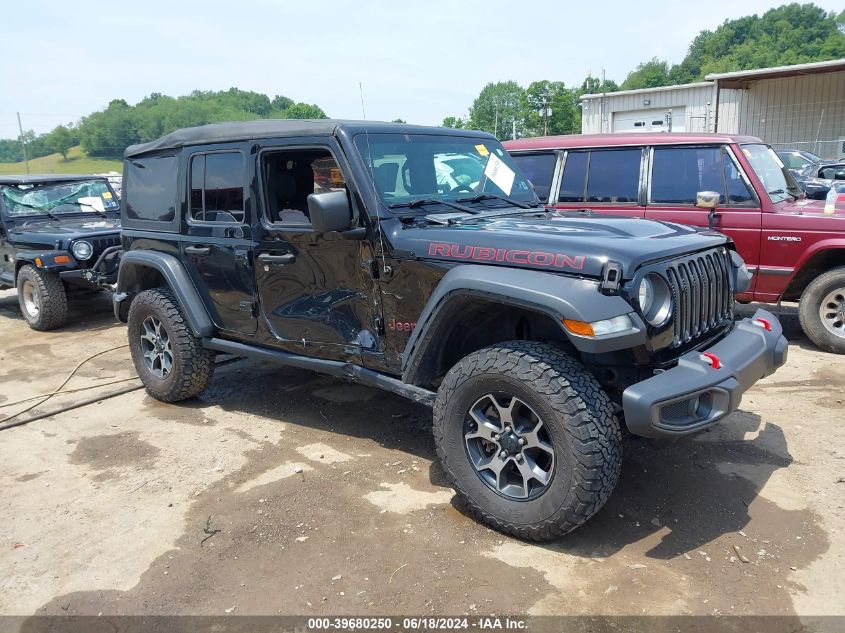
x,y
797,159
59,235
526,331
796,251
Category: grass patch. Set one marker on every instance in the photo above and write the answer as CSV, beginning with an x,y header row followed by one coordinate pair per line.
x,y
77,163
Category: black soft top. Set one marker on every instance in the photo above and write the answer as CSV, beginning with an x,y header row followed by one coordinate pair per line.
x,y
40,179
280,128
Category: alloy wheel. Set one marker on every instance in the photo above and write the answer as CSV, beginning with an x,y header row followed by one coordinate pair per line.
x,y
509,445
156,348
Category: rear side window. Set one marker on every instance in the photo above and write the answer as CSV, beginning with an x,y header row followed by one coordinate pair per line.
x,y
539,169
679,173
614,176
149,191
574,177
217,192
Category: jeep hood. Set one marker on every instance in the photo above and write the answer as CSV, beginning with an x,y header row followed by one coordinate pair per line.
x,y
561,243
45,234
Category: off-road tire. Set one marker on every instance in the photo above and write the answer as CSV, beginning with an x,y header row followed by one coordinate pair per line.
x,y
50,295
810,304
193,365
584,432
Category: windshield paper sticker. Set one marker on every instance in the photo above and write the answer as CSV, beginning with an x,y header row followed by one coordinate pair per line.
x,y
482,150
501,175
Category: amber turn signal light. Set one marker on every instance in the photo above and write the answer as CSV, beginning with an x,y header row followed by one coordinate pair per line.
x,y
579,327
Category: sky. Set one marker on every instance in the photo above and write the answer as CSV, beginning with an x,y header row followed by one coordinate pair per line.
x,y
419,61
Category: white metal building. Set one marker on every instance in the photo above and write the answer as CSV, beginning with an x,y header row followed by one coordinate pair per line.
x,y
801,106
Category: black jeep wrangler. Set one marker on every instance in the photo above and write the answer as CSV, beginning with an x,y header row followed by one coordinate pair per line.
x,y
419,260
59,235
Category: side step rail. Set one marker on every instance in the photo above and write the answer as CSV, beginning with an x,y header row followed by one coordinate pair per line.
x,y
331,367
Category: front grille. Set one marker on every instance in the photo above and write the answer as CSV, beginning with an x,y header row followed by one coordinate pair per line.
x,y
701,294
102,243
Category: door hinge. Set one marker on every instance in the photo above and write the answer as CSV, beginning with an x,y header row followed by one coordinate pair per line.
x,y
379,325
249,307
242,255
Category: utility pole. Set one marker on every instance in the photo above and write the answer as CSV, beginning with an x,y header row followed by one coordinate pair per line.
x,y
546,114
23,143
513,134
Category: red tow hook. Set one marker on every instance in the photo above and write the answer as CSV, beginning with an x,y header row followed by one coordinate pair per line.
x,y
711,358
763,323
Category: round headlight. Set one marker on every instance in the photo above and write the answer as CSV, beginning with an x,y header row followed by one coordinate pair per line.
x,y
82,249
645,294
655,300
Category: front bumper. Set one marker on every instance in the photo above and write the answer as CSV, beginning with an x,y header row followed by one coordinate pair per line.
x,y
695,394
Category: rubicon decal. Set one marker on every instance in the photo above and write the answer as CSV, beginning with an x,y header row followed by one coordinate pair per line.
x,y
512,256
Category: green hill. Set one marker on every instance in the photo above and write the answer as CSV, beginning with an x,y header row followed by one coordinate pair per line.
x,y
77,163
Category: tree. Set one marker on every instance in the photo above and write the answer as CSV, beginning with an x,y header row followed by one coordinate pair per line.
x,y
789,34
304,111
498,109
593,86
398,121
454,122
550,108
61,140
651,74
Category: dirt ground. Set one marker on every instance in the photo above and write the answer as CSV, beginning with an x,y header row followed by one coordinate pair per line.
x,y
283,492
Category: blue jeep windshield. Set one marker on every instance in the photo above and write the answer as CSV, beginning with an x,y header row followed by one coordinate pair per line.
x,y
408,167
90,196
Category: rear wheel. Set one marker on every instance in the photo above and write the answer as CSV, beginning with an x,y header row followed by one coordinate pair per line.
x,y
822,311
528,438
169,359
42,297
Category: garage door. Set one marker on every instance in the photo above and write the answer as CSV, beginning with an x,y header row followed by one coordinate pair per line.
x,y
652,120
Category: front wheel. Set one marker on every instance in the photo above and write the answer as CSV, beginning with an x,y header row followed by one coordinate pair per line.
x,y
42,297
528,439
169,359
822,311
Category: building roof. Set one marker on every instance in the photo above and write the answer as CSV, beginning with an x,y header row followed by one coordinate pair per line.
x,y
741,78
279,128
619,93
619,139
39,179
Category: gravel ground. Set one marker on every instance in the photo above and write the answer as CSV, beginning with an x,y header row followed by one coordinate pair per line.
x,y
279,491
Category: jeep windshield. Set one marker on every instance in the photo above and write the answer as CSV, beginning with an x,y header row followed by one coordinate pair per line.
x,y
54,199
431,170
775,176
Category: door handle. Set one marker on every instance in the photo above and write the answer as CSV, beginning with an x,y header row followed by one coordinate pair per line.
x,y
198,250
287,258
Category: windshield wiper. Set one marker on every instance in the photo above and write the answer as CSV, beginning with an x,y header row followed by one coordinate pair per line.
x,y
775,191
425,201
44,211
490,196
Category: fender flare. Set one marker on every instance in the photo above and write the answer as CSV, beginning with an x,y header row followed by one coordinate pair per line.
x,y
178,281
557,296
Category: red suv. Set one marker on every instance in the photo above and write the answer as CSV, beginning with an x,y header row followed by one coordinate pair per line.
x,y
734,184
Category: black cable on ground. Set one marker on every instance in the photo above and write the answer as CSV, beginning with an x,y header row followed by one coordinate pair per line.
x,y
69,407
92,400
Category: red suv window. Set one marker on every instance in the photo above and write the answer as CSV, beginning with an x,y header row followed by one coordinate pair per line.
x,y
601,176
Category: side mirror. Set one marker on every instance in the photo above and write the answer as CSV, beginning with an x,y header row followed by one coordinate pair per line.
x,y
330,211
706,199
